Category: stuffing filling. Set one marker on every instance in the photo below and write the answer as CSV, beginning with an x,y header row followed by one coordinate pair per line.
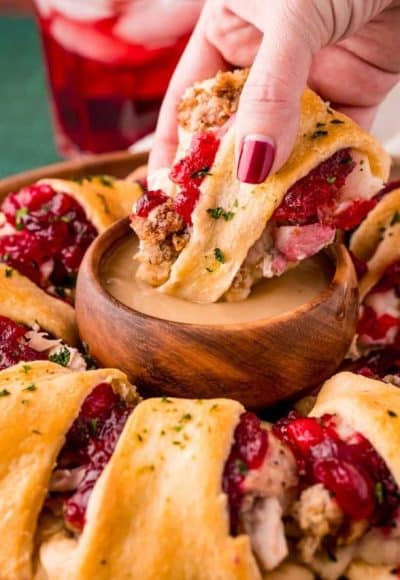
x,y
44,235
21,344
337,194
315,489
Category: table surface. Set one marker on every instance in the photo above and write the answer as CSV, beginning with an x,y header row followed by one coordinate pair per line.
x,y
26,138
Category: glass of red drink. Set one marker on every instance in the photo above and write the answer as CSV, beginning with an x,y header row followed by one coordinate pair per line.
x,y
109,63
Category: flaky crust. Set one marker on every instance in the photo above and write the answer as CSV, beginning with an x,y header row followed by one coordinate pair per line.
x,y
24,302
370,407
377,240
104,199
161,496
39,402
368,235
197,275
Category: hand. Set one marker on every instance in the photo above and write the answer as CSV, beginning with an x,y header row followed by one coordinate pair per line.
x,y
346,50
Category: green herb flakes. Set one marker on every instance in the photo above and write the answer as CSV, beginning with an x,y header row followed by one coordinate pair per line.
x,y
4,393
166,400
331,179
9,272
19,215
391,413
26,368
395,218
62,357
242,467
219,256
104,202
106,180
379,492
319,133
36,432
32,387
337,122
201,173
218,212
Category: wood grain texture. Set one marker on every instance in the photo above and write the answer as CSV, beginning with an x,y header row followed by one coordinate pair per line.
x,y
259,363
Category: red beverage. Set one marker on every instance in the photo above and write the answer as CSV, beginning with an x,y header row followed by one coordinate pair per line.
x,y
109,63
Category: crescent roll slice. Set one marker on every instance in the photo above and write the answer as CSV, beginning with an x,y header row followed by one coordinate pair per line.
x,y
376,243
204,235
40,404
24,302
47,227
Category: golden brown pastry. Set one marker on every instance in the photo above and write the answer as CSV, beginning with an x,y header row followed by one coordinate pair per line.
x,y
376,244
45,228
203,235
39,404
104,198
24,302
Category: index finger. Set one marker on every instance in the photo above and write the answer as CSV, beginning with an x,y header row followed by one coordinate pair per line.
x,y
199,61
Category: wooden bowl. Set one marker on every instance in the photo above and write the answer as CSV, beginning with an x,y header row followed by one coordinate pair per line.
x,y
259,363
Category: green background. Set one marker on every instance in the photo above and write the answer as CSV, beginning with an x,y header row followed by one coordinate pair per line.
x,y
26,137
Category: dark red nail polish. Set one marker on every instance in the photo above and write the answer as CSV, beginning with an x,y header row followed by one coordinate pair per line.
x,y
256,159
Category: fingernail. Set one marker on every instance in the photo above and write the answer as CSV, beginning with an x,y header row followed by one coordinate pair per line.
x,y
256,158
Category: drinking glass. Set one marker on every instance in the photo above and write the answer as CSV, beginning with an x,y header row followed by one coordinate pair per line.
x,y
108,66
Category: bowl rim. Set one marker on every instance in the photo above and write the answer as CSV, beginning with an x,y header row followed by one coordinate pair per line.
x,y
336,253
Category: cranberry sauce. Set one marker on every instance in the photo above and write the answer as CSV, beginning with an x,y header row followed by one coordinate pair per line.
x,y
188,173
377,326
51,237
379,364
248,451
351,470
14,346
314,198
89,444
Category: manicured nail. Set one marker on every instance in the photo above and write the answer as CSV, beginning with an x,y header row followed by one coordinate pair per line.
x,y
256,158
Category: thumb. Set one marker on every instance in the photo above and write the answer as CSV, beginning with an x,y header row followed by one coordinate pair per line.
x,y
269,107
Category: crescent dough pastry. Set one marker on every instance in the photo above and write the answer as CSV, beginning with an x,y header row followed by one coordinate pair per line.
x,y
24,302
377,240
39,402
208,258
104,199
161,495
370,407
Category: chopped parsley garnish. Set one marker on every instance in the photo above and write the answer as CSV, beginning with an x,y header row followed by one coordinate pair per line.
x,y
331,179
66,218
201,173
62,357
60,291
242,467
186,417
31,387
25,401
104,202
337,122
346,161
26,368
9,272
319,133
379,491
321,125
395,218
93,423
218,212
106,180
4,393
391,413
166,400
219,256
36,432
19,215
140,437
89,360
